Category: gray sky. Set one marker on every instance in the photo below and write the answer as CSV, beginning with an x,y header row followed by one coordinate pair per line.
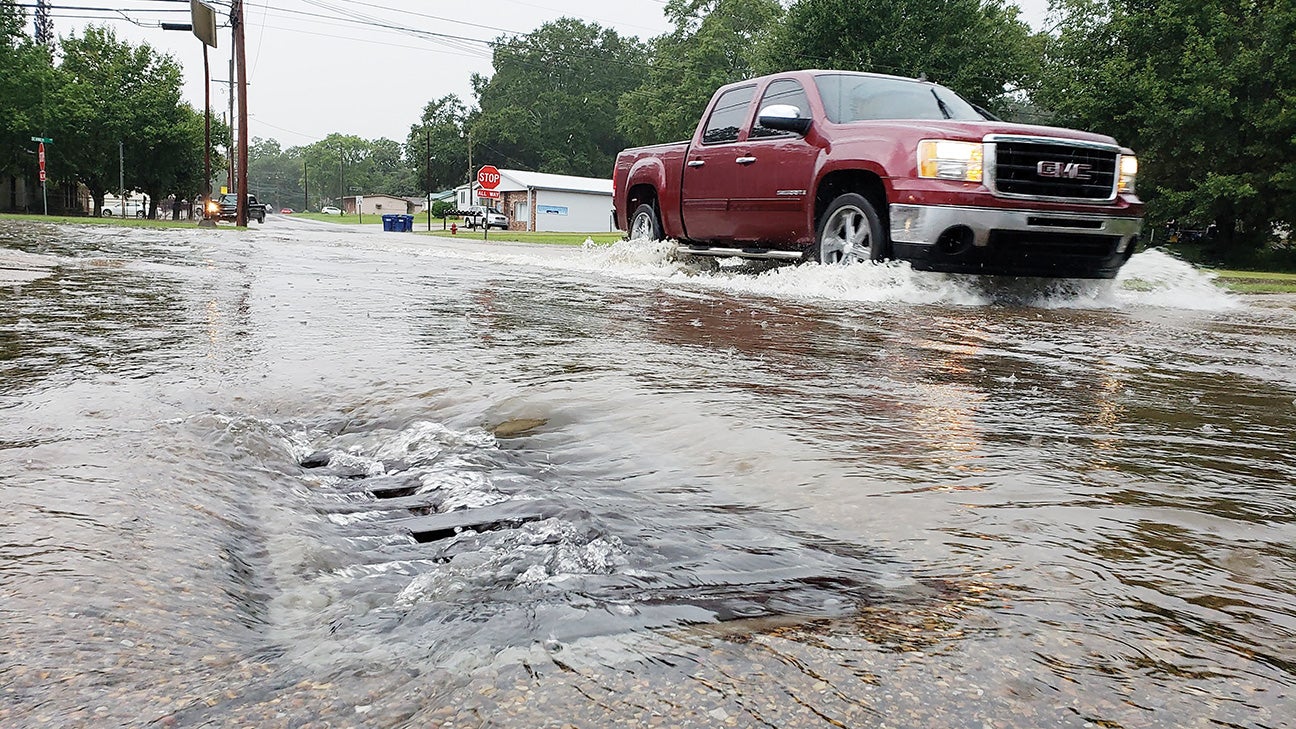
x,y
367,67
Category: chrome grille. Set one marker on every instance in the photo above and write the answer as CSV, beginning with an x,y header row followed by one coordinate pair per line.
x,y
1017,165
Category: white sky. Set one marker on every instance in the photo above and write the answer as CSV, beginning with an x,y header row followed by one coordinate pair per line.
x,y
311,72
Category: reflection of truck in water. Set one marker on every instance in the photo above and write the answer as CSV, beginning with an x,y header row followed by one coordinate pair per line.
x,y
226,208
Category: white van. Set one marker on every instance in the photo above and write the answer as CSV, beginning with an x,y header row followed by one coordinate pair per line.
x,y
474,214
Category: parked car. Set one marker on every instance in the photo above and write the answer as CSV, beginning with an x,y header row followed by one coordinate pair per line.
x,y
285,211
330,210
838,166
475,216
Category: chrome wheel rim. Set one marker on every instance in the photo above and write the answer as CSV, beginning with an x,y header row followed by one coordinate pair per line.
x,y
846,237
643,227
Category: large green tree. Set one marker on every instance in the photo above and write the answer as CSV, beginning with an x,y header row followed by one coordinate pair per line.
x,y
26,83
1204,90
119,106
714,42
979,48
551,104
275,175
437,146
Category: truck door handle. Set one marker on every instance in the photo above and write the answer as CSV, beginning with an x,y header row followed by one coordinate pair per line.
x,y
745,160
696,162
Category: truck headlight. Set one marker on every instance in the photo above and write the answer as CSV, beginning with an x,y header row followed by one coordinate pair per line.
x,y
945,159
213,206
1128,171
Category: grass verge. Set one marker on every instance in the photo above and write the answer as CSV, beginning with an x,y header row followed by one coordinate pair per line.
x,y
1256,282
87,220
512,236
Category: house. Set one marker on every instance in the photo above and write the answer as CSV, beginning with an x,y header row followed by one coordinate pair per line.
x,y
538,201
379,204
22,194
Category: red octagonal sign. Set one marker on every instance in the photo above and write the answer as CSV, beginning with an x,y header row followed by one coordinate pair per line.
x,y
488,177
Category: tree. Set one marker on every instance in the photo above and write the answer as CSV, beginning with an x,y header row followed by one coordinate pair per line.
x,y
26,82
979,48
114,98
274,175
438,144
551,104
1203,90
714,43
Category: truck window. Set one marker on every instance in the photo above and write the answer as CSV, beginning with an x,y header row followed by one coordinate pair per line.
x,y
728,116
783,91
850,98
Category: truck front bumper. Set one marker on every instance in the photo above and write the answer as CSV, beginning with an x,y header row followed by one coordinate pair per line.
x,y
1011,242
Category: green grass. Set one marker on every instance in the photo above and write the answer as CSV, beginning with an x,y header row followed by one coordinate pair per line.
x,y
87,220
1256,282
340,219
511,236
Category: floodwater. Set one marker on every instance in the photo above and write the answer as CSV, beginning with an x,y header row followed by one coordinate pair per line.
x,y
303,477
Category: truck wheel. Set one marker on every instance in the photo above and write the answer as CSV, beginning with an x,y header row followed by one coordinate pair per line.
x,y
644,224
849,232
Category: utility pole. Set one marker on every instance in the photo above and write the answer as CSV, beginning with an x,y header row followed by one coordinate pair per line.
x,y
206,129
121,175
428,132
229,168
341,181
240,50
305,186
44,26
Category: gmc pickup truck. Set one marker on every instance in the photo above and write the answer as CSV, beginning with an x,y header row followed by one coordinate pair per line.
x,y
838,167
226,208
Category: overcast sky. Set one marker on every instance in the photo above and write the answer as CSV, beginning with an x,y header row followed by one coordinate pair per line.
x,y
363,67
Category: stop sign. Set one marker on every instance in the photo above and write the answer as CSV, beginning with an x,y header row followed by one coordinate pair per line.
x,y
488,177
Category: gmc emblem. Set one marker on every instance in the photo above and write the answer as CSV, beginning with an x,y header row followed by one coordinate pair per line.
x,y
1069,170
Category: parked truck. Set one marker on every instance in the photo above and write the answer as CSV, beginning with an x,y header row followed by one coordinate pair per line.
x,y
226,208
838,167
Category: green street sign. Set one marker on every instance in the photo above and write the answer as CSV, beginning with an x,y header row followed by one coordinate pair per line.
x,y
46,140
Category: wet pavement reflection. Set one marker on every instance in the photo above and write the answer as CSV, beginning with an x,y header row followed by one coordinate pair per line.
x,y
309,476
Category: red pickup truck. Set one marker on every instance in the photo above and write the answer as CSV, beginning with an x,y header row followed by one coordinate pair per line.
x,y
837,167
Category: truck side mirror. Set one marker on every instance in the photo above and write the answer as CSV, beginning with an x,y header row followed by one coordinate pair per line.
x,y
783,117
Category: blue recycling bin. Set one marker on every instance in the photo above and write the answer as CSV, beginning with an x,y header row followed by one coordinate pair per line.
x,y
389,222
407,223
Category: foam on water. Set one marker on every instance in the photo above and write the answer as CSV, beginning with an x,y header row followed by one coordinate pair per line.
x,y
1150,279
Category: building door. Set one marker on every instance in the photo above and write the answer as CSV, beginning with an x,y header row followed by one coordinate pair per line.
x,y
522,214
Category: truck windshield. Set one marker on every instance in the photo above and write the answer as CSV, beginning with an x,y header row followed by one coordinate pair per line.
x,y
854,97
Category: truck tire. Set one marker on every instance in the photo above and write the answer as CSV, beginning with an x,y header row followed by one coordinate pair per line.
x,y
850,231
644,223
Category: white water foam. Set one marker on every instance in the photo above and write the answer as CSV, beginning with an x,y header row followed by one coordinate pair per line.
x,y
1150,279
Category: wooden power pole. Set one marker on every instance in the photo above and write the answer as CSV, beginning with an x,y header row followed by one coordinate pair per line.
x,y
240,53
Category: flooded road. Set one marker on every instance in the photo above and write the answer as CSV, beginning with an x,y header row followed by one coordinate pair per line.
x,y
303,476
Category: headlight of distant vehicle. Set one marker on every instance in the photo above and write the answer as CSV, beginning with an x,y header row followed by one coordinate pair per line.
x,y
946,159
1128,171
213,206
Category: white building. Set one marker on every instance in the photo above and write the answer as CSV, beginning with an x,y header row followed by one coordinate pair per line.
x,y
537,201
